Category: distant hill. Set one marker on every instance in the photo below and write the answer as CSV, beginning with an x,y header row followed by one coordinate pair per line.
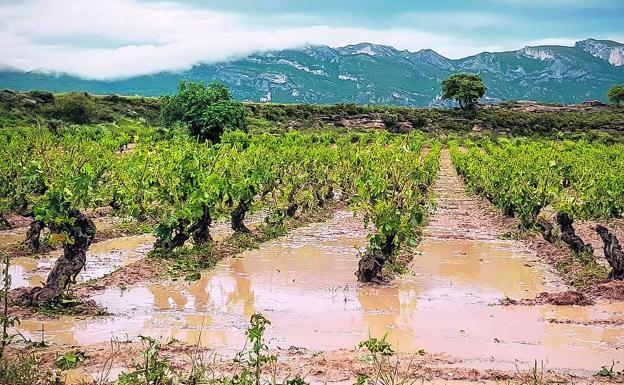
x,y
375,74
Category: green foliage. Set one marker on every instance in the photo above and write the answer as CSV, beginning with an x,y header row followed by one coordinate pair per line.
x,y
391,121
207,110
69,360
581,270
609,371
26,369
390,188
616,94
377,346
524,176
254,358
385,371
152,369
465,88
75,108
6,321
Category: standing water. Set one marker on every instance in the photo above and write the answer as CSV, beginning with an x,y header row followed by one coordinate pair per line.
x,y
305,284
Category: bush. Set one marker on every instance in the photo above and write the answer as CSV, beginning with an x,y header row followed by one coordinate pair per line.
x,y
42,96
206,110
76,108
391,121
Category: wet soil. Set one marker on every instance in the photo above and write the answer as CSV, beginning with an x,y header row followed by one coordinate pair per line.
x,y
305,284
104,257
335,367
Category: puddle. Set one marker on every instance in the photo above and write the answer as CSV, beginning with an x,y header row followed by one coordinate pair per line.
x,y
12,237
305,284
102,258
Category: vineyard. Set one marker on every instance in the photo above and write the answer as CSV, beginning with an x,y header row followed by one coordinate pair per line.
x,y
182,186
542,182
299,245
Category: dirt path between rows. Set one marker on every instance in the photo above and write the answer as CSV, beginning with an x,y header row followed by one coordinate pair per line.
x,y
461,215
439,317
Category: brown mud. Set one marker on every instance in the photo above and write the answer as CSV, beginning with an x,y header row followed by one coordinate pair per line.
x,y
489,218
335,367
304,283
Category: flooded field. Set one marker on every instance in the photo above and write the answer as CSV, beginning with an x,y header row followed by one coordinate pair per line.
x,y
102,258
305,284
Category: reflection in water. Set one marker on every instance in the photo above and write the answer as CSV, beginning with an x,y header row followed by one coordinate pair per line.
x,y
102,258
305,284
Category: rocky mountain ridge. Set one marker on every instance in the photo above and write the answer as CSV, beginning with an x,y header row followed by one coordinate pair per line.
x,y
375,74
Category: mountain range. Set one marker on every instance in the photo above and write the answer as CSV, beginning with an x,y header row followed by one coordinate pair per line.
x,y
374,74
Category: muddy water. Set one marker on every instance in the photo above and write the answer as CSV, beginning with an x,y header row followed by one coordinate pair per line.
x,y
102,258
305,285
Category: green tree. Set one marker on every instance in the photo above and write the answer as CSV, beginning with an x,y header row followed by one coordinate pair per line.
x,y
207,110
465,88
616,94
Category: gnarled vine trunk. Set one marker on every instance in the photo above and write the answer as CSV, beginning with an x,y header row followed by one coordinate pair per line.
x,y
33,235
291,210
70,264
330,194
319,198
200,231
569,237
546,229
4,223
372,261
613,252
370,266
238,217
178,240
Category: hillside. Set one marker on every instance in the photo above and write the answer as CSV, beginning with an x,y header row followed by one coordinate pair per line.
x,y
375,74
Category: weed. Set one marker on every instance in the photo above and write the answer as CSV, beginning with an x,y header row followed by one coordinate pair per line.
x,y
581,269
67,305
26,370
272,231
6,321
243,241
153,369
189,262
252,359
385,371
69,360
609,371
535,376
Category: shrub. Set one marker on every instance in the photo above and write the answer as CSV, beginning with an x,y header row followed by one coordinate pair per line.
x,y
391,121
42,96
206,110
76,108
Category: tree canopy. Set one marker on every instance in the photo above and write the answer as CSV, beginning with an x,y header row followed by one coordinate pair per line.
x,y
465,88
616,94
207,110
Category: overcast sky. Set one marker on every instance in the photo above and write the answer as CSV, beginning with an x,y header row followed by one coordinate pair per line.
x,y
106,39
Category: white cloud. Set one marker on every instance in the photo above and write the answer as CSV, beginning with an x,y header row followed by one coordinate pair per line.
x,y
143,38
